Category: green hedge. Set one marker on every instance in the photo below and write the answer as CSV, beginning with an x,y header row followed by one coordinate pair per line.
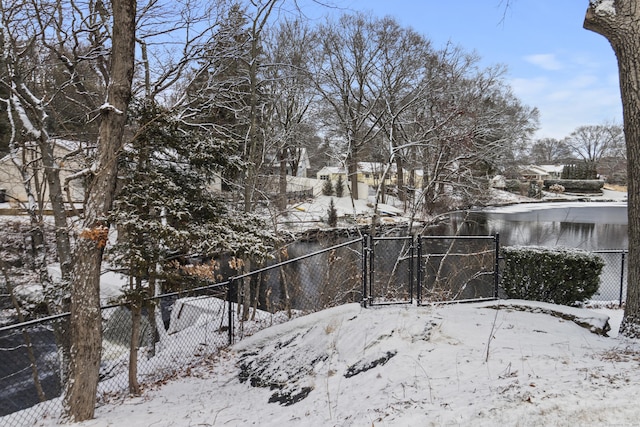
x,y
577,185
555,275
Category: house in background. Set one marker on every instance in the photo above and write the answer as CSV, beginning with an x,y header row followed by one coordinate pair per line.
x,y
540,172
298,166
370,174
334,173
69,156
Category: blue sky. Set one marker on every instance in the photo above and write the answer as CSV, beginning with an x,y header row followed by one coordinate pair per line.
x,y
568,73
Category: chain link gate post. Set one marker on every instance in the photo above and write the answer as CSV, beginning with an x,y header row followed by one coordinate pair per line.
x,y
496,268
365,270
411,267
230,312
621,279
419,273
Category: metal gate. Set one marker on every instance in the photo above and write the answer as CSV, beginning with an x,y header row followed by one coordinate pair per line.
x,y
399,270
389,270
457,268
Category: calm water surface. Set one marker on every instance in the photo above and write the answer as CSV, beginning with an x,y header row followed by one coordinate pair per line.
x,y
584,225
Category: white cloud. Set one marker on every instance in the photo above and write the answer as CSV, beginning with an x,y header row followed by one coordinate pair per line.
x,y
584,81
546,61
567,101
524,87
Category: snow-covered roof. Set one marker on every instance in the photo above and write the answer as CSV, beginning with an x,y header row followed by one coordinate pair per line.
x,y
542,169
331,170
552,168
374,167
65,144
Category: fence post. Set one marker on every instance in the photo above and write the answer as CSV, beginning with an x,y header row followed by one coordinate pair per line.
x,y
372,267
621,279
496,268
411,267
230,312
419,273
365,269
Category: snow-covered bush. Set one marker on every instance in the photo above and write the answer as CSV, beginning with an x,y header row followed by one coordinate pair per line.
x,y
555,275
556,188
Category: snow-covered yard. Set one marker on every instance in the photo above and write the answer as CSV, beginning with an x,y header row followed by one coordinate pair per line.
x,y
462,364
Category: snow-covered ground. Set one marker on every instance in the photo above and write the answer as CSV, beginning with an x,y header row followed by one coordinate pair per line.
x,y
463,364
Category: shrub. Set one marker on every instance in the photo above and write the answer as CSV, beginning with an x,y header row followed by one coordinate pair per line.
x,y
555,275
339,187
327,188
576,185
556,188
332,215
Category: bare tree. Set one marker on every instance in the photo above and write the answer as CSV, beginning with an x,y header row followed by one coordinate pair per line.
x,y
465,127
549,151
288,49
35,52
592,143
343,73
402,82
28,103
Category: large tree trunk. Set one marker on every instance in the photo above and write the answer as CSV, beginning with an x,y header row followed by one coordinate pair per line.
x,y
282,183
86,321
136,317
352,173
619,22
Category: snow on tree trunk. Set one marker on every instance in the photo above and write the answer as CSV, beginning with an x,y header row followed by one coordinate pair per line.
x,y
136,317
86,321
619,22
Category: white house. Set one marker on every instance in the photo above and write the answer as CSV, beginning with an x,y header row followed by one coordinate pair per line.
x,y
541,172
68,156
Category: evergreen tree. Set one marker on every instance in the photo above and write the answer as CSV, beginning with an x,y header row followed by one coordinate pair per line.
x,y
166,204
332,218
165,209
327,188
340,187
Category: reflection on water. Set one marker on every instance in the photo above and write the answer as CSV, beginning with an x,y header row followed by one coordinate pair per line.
x,y
589,226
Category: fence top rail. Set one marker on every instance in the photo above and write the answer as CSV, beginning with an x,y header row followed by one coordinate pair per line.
x,y
200,288
392,238
611,251
47,319
292,260
459,237
33,322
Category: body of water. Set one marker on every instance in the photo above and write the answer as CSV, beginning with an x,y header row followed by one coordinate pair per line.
x,y
589,226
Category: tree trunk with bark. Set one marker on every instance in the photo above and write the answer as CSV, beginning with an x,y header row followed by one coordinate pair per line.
x,y
52,175
352,172
619,22
136,317
86,320
282,182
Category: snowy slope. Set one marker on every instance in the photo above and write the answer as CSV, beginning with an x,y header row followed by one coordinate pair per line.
x,y
470,364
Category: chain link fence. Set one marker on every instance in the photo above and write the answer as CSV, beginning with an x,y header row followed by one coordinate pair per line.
x,y
430,269
613,278
455,268
173,332
389,270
